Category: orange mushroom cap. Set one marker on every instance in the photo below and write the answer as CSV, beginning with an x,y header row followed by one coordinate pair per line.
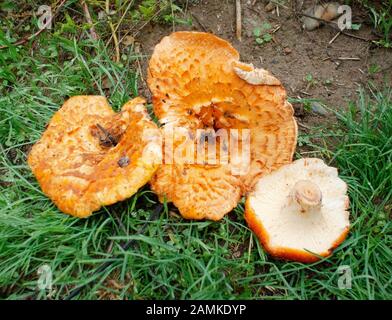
x,y
197,81
89,156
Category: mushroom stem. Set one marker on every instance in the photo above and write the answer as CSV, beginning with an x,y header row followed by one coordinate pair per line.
x,y
307,195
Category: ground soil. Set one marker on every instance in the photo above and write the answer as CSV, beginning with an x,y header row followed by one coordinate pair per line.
x,y
292,54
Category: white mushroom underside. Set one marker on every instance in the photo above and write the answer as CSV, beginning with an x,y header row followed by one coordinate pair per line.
x,y
302,231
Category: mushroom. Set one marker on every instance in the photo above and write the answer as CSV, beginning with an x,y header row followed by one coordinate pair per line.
x,y
197,82
89,156
299,212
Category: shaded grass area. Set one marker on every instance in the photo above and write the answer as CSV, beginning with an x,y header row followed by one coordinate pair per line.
x,y
173,258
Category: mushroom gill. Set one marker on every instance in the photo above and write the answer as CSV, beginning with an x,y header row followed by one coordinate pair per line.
x,y
299,212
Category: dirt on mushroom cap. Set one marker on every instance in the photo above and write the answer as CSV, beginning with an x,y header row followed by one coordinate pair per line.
x,y
284,227
191,76
90,156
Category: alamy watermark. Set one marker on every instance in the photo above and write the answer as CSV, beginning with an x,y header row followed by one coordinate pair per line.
x,y
45,279
45,17
345,20
345,280
45,14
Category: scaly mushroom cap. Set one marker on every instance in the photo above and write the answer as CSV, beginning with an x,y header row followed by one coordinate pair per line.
x,y
89,156
299,212
198,82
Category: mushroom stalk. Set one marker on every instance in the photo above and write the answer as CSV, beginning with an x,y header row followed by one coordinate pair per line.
x,y
307,195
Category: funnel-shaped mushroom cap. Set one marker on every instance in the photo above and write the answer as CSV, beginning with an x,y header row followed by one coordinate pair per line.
x,y
299,212
90,156
198,82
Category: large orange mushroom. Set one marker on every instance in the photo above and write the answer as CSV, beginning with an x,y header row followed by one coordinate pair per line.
x,y
198,82
89,156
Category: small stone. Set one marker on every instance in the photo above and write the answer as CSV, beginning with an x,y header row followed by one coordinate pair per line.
x,y
287,50
123,162
318,108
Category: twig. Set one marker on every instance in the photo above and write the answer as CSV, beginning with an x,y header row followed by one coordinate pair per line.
x,y
348,58
250,248
120,21
356,37
139,67
335,37
279,4
110,247
115,39
276,28
295,5
333,25
238,19
93,34
315,18
34,35
303,125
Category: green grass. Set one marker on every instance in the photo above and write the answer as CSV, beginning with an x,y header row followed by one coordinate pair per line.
x,y
173,258
380,13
